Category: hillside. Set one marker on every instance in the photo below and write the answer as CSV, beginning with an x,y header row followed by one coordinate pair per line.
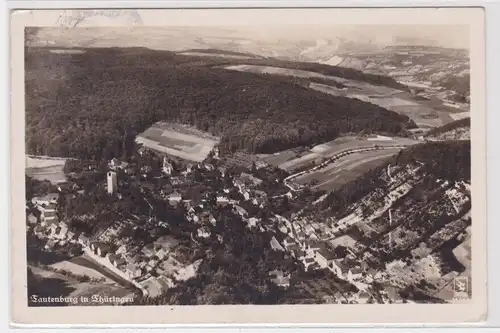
x,y
407,214
457,130
91,104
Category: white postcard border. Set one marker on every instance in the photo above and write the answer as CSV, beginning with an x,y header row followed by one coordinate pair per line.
x,y
303,314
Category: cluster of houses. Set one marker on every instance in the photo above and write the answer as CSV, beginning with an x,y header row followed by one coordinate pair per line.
x,y
459,195
304,245
148,263
48,226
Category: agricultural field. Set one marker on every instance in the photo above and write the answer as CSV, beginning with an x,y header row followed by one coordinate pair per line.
x,y
178,140
284,72
45,168
290,160
345,169
460,115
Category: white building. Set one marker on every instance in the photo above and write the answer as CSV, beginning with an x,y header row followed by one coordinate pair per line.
x,y
167,167
112,182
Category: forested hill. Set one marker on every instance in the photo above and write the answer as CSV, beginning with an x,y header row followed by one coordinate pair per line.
x,y
92,104
456,130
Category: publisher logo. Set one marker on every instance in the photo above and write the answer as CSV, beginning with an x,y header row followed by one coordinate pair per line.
x,y
461,287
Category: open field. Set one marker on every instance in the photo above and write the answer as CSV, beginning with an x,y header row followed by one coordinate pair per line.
x,y
73,267
345,169
45,168
178,140
461,115
283,71
290,160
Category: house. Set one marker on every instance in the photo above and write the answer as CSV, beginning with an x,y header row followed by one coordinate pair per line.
x,y
222,200
275,245
298,254
337,267
279,278
245,194
51,243
213,220
239,184
282,228
260,164
70,235
311,246
203,232
249,179
314,266
114,163
288,241
324,257
283,282
209,167
148,250
239,210
84,240
252,222
39,231
133,271
31,219
174,198
101,249
49,216
63,230
54,229
167,167
118,261
308,261
354,273
46,199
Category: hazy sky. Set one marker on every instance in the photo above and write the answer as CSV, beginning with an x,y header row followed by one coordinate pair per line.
x,y
455,36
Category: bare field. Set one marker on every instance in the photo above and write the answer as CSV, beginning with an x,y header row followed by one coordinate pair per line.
x,y
291,161
178,140
283,71
45,168
345,169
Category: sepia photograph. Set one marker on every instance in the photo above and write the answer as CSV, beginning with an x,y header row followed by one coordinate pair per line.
x,y
248,164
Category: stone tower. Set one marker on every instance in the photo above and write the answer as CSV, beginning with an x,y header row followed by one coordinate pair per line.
x,y
112,182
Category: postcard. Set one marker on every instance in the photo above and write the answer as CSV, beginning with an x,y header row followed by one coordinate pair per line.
x,y
248,166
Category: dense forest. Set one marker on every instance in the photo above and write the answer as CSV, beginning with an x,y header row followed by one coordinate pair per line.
x,y
91,105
